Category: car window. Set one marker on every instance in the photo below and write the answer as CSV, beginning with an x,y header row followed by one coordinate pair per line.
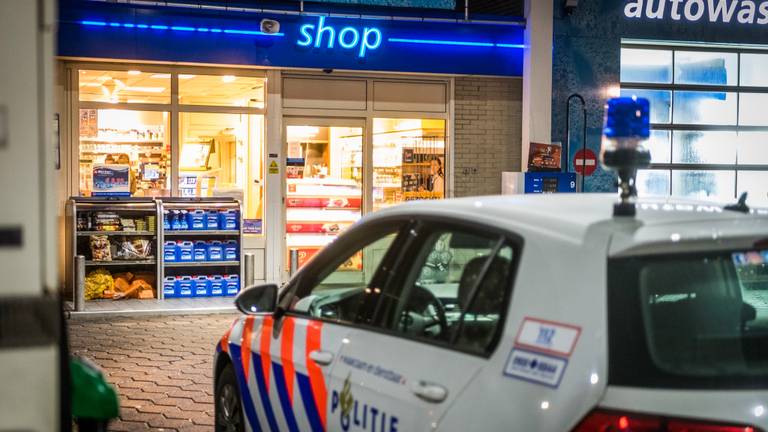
x,y
341,290
703,318
455,291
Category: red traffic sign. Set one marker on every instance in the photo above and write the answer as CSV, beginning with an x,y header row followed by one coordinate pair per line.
x,y
585,162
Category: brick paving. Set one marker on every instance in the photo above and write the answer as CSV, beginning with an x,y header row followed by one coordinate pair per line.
x,y
162,367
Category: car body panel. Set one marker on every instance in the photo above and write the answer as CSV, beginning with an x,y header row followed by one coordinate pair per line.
x,y
561,279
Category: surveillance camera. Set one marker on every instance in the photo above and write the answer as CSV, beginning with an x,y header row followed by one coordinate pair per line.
x,y
328,71
269,26
570,6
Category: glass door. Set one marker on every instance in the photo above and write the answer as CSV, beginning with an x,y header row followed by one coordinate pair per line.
x,y
324,183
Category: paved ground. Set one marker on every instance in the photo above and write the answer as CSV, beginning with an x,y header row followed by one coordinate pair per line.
x,y
161,366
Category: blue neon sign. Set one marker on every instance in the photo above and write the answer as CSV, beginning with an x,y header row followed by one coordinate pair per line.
x,y
369,41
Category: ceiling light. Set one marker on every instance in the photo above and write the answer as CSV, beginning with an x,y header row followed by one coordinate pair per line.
x,y
186,76
160,76
134,72
228,78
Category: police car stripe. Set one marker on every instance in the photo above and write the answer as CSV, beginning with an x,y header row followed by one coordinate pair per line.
x,y
285,401
264,393
308,399
245,343
316,379
224,345
245,394
266,356
286,355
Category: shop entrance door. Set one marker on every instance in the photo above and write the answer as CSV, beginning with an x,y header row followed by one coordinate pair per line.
x,y
323,183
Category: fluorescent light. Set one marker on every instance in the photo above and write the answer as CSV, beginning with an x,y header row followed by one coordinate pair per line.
x,y
440,42
160,76
228,78
186,76
134,72
146,89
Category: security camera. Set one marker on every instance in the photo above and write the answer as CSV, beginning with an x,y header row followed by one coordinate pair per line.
x,y
570,6
269,26
328,71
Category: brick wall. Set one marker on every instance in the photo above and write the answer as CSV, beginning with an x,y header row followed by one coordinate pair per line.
x,y
488,131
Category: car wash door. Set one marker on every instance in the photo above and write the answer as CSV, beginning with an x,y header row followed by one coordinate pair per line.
x,y
433,328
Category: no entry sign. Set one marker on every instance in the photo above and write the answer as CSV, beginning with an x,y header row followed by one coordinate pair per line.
x,y
585,162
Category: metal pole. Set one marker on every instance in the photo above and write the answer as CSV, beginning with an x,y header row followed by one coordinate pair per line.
x,y
466,10
294,261
250,267
79,283
568,133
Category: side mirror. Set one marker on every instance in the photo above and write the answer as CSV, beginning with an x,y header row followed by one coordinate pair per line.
x,y
257,299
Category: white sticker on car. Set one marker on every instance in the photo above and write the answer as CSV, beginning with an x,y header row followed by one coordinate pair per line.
x,y
548,336
535,367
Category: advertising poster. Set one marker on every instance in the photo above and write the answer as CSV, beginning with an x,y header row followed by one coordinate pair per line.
x,y
111,180
544,157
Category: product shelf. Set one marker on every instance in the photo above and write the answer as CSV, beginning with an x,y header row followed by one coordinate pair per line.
x,y
202,264
169,233
90,263
117,233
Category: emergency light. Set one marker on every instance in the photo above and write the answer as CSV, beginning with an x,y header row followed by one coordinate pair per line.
x,y
627,127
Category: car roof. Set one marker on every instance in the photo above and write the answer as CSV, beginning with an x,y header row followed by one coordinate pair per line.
x,y
570,217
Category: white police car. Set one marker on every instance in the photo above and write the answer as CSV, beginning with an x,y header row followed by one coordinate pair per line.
x,y
525,313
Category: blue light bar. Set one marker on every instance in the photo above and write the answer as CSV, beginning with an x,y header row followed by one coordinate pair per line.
x,y
455,43
440,42
180,28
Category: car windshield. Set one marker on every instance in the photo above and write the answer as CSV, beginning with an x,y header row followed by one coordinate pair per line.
x,y
700,317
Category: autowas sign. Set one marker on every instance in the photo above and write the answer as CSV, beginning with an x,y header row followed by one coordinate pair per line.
x,y
715,11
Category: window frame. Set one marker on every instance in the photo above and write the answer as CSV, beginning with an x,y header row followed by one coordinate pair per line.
x,y
429,224
674,87
173,108
398,257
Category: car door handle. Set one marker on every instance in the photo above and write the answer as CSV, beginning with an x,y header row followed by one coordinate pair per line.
x,y
430,392
323,358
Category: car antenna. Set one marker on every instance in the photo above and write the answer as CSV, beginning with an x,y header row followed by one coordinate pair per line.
x,y
740,206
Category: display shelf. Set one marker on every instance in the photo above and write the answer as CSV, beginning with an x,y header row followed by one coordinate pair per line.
x,y
121,262
201,264
117,233
169,233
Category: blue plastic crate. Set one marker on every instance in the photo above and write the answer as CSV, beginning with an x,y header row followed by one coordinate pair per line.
x,y
217,285
196,220
212,220
185,286
231,250
215,251
170,252
200,251
229,219
232,286
202,286
170,287
186,251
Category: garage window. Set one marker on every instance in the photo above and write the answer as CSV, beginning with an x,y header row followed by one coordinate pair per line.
x,y
709,129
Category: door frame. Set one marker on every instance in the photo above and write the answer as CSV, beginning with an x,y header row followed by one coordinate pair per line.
x,y
367,186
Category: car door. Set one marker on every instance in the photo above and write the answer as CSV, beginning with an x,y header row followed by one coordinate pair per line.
x,y
434,326
293,354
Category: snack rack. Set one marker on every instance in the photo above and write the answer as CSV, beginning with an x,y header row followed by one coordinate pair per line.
x,y
78,235
80,215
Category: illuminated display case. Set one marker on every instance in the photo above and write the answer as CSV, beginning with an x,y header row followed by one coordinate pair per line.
x,y
324,186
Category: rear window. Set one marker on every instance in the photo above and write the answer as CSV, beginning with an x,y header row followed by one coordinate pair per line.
x,y
689,321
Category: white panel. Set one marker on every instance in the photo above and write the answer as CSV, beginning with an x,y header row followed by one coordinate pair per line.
x,y
347,94
410,96
29,396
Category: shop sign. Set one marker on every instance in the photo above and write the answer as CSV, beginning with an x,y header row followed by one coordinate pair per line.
x,y
722,11
348,38
252,226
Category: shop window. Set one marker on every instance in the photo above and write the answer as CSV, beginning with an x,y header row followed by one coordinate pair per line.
x,y
137,139
646,65
222,155
708,68
324,178
702,184
704,147
131,86
752,68
718,129
408,160
221,90
660,100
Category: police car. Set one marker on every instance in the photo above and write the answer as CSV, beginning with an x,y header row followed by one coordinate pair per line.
x,y
521,313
